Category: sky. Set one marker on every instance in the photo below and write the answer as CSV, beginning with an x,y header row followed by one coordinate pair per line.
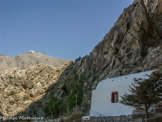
x,y
60,28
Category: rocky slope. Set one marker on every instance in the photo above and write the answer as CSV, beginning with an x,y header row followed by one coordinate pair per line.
x,y
26,78
19,88
23,61
134,44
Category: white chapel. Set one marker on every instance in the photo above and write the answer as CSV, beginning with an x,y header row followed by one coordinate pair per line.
x,y
105,98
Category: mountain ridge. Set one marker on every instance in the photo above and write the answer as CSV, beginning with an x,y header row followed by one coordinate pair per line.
x,y
23,61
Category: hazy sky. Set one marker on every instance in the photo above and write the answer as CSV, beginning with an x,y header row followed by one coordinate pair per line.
x,y
60,28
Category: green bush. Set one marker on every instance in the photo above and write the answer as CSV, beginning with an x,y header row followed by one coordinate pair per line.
x,y
52,109
12,92
76,91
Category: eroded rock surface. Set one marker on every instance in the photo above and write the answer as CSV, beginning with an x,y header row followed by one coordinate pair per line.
x,y
26,78
20,88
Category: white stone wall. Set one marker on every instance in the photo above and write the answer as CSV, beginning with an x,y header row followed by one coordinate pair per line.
x,y
101,97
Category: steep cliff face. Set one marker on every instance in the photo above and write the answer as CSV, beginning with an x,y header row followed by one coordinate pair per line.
x,y
134,44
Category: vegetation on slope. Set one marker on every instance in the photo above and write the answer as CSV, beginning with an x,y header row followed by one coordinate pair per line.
x,y
73,99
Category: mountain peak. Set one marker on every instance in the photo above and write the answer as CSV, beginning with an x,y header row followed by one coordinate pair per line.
x,y
25,60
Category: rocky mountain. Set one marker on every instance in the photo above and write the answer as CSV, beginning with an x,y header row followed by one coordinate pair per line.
x,y
26,78
25,60
134,44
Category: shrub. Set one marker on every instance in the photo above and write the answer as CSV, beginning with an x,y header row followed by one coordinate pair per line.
x,y
53,108
12,92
